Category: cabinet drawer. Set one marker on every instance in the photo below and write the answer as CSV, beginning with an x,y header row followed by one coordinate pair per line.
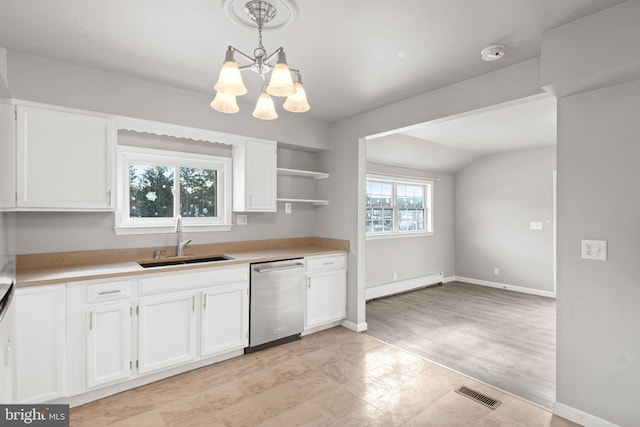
x,y
325,263
108,291
198,278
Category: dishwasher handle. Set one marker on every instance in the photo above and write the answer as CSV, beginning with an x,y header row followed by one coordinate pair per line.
x,y
269,269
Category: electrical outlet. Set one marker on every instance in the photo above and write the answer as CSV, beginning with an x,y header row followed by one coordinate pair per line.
x,y
594,249
287,208
535,225
241,220
395,276
496,271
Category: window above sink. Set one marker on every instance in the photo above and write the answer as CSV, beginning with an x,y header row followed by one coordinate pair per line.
x,y
155,186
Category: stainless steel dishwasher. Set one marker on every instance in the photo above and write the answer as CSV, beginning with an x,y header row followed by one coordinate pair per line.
x,y
277,298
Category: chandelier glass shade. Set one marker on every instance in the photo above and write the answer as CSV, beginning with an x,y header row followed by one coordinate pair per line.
x,y
280,83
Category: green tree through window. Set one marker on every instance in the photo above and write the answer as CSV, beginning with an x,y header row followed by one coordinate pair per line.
x,y
198,192
150,191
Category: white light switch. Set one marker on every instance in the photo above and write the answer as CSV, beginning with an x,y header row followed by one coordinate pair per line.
x,y
535,225
594,249
287,208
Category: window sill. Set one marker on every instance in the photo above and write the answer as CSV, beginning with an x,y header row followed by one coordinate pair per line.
x,y
398,235
154,229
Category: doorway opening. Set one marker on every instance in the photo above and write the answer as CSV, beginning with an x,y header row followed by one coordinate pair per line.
x,y
492,247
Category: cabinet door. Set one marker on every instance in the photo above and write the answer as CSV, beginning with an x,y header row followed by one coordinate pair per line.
x,y
65,160
6,356
326,297
39,343
167,331
108,343
255,177
8,157
225,319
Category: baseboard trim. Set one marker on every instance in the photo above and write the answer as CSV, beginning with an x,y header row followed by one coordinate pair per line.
x,y
357,327
580,417
391,288
449,279
489,284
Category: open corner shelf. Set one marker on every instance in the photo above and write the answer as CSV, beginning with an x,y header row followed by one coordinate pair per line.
x,y
315,202
302,173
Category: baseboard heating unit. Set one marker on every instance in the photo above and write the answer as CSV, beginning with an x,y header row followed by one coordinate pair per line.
x,y
401,286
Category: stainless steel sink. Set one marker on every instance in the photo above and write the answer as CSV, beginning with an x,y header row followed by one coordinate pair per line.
x,y
170,261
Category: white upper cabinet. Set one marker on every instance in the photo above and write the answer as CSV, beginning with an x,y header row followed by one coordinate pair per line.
x,y
255,179
8,157
64,160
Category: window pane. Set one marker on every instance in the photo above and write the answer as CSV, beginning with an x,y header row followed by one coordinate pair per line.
x,y
150,191
198,192
379,194
411,219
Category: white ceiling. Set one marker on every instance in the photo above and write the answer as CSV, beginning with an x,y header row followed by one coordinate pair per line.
x,y
355,55
450,144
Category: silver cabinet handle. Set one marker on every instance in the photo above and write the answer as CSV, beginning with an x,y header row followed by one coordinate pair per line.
x,y
91,316
328,263
114,291
204,301
193,303
269,269
309,282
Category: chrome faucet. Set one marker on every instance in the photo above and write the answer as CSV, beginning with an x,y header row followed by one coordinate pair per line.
x,y
181,243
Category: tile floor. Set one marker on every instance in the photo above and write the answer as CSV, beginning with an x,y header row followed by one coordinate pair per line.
x,y
333,378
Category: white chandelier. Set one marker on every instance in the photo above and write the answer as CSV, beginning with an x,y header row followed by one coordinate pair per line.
x,y
284,81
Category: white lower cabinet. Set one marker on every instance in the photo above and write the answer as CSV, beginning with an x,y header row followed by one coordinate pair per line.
x,y
225,319
39,343
326,290
166,331
109,343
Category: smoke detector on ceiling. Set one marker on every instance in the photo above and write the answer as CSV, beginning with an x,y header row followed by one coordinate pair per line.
x,y
493,52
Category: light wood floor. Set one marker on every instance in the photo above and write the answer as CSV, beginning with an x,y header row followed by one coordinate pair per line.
x,y
504,338
332,378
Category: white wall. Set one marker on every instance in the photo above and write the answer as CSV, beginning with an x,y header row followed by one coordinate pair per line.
x,y
413,257
598,302
496,198
598,344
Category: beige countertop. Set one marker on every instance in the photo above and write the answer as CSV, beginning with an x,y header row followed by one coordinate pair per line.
x,y
51,274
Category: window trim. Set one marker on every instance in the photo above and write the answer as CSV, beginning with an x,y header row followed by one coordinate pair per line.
x,y
429,212
130,154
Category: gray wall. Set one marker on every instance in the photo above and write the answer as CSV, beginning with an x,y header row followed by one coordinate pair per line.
x,y
496,198
599,302
39,232
346,159
37,79
41,80
4,85
415,256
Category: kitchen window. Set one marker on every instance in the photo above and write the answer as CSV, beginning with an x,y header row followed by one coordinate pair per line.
x,y
398,207
155,186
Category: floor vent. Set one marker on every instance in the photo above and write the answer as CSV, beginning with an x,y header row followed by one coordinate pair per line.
x,y
487,401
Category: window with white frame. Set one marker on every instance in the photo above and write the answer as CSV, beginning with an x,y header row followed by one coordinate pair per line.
x,y
155,186
398,206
